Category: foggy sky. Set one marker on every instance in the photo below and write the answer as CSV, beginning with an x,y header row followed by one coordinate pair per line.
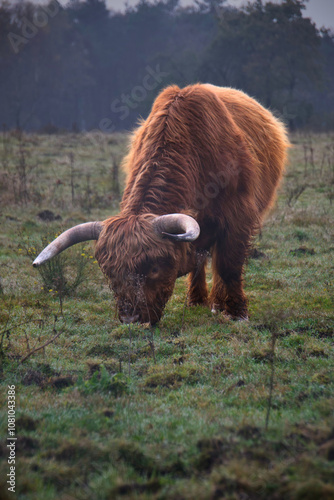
x,y
320,11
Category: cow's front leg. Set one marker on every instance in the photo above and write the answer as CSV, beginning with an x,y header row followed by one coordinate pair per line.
x,y
197,288
218,294
227,293
236,301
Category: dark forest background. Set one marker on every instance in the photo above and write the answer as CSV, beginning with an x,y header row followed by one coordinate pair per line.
x,y
84,67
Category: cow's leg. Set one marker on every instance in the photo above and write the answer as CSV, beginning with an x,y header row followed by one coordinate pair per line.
x,y
197,289
227,266
218,294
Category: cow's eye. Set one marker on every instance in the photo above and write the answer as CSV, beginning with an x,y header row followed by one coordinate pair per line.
x,y
154,270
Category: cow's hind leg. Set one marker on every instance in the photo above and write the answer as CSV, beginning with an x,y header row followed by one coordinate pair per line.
x,y
227,266
197,289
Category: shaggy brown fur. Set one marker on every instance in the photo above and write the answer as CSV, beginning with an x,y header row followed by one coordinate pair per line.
x,y
213,153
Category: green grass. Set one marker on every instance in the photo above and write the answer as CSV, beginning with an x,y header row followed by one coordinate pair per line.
x,y
107,412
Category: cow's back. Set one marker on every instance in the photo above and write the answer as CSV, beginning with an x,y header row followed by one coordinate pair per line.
x,y
265,135
196,135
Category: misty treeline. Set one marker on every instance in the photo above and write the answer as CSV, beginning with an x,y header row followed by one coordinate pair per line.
x,y
84,67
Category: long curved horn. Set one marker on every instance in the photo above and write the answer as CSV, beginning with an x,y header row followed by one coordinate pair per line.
x,y
77,234
178,227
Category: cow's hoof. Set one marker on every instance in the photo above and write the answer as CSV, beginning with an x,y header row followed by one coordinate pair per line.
x,y
233,317
216,308
242,318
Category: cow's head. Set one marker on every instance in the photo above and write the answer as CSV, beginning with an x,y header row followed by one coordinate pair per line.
x,y
142,255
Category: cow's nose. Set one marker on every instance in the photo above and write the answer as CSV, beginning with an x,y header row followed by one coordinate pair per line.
x,y
129,319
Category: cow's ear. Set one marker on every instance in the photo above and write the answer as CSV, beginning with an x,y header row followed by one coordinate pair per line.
x,y
177,227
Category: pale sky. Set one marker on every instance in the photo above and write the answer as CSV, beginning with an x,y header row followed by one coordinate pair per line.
x,y
321,11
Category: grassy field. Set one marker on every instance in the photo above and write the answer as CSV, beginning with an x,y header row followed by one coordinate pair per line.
x,y
198,408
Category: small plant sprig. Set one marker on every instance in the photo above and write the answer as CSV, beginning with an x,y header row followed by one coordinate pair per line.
x,y
101,381
64,273
36,349
21,325
294,193
272,377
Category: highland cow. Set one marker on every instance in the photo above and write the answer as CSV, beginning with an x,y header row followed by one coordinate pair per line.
x,y
203,169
